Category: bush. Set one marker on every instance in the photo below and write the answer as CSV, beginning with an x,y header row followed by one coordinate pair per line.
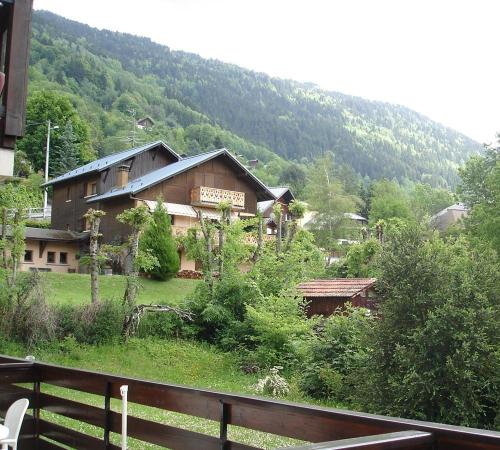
x,y
277,328
97,323
335,355
273,384
219,317
161,325
26,317
434,353
158,240
272,273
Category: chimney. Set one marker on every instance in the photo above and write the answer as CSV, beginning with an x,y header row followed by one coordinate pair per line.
x,y
122,176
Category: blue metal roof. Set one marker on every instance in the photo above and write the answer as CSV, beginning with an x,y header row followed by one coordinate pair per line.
x,y
103,163
159,175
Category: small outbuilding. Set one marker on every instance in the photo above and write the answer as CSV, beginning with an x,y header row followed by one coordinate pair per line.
x,y
449,216
50,250
327,296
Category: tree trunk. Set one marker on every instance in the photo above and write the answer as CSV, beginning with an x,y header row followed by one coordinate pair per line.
x,y
209,269
278,235
15,256
94,262
258,251
221,250
4,238
133,273
292,231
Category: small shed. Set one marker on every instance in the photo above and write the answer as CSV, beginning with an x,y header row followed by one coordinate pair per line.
x,y
146,123
326,296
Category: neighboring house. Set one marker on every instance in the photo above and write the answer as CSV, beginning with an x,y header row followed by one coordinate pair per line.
x,y
327,296
142,174
449,216
145,123
52,250
356,219
282,195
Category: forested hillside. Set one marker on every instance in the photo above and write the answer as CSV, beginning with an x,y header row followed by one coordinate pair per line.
x,y
199,104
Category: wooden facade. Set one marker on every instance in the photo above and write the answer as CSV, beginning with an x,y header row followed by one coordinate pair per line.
x,y
69,198
327,297
118,186
217,173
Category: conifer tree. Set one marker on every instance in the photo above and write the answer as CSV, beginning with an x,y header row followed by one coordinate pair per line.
x,y
158,239
66,155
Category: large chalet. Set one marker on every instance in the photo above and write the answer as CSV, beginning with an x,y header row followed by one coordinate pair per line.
x,y
140,175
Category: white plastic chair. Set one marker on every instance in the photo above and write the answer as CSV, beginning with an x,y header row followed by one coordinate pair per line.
x,y
13,421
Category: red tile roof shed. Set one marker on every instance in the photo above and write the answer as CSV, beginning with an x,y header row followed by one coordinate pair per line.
x,y
338,287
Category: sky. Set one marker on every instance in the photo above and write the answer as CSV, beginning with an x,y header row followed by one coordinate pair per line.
x,y
438,57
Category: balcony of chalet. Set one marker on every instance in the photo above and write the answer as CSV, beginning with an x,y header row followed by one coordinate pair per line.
x,y
58,419
209,197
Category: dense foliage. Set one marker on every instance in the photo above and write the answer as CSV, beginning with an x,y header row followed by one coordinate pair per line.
x,y
158,239
434,353
480,189
198,104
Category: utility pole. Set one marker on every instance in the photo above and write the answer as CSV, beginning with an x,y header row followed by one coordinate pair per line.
x,y
47,156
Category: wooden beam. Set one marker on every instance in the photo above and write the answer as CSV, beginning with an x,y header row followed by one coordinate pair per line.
x,y
408,440
16,83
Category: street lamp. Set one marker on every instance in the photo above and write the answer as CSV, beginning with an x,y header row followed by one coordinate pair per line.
x,y
47,153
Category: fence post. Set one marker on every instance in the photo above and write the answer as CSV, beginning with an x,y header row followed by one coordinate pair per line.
x,y
224,416
107,414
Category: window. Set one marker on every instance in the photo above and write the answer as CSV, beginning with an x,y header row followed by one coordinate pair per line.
x,y
28,256
172,220
68,194
90,189
51,257
63,258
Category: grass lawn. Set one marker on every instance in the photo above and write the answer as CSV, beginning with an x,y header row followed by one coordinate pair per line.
x,y
74,288
171,361
166,360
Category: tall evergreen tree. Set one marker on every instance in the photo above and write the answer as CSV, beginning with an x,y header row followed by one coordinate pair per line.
x,y
158,239
66,154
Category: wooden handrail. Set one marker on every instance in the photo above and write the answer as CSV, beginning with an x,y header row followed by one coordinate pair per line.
x,y
304,422
407,440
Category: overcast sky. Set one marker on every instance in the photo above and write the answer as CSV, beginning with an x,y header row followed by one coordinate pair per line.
x,y
439,57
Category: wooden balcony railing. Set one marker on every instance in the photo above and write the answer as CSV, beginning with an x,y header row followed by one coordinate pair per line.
x,y
211,197
325,428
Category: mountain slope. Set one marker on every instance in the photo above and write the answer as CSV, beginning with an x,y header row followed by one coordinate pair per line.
x,y
295,120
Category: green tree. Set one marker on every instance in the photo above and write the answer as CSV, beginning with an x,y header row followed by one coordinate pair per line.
x,y
295,176
425,201
480,188
65,153
48,105
326,195
158,239
388,201
137,219
434,352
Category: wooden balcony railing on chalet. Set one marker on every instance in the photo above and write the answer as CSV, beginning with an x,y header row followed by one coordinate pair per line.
x,y
327,428
211,197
